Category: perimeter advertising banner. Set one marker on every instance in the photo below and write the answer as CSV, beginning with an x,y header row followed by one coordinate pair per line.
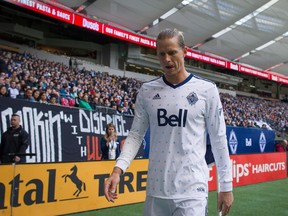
x,y
62,188
256,168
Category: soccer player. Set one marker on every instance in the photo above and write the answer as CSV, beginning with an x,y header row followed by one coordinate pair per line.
x,y
180,109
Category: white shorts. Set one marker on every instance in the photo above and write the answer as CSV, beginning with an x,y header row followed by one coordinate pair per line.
x,y
175,207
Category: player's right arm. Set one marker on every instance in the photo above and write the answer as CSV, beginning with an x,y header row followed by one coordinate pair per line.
x,y
111,184
129,151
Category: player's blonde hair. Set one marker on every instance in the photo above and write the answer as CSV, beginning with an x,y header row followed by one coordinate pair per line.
x,y
171,33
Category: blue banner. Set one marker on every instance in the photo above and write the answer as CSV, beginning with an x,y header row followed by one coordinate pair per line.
x,y
250,140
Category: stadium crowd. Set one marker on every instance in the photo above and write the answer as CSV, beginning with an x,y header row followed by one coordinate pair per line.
x,y
43,81
55,83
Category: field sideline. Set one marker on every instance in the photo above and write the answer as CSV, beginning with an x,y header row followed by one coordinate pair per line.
x,y
265,199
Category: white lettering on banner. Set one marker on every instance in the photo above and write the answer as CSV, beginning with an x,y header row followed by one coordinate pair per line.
x,y
234,66
90,25
283,80
96,121
109,30
248,141
120,34
207,59
79,138
83,151
74,128
144,41
63,15
254,72
240,170
134,38
48,131
43,8
272,167
246,169
29,3
40,127
196,56
274,78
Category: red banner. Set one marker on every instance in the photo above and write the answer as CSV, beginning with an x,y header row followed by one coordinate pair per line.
x,y
84,22
254,72
205,58
45,9
254,168
128,36
88,23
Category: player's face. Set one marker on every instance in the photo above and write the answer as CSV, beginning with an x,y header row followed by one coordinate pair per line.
x,y
171,57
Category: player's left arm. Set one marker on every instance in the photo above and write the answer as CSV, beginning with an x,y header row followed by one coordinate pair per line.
x,y
217,131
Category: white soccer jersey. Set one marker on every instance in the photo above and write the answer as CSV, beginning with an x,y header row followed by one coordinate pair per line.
x,y
179,117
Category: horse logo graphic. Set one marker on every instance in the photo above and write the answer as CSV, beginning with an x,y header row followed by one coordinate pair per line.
x,y
74,178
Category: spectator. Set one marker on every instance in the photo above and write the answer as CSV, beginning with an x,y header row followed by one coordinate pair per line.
x,y
29,95
43,74
120,109
53,100
36,94
131,110
3,66
84,102
264,126
3,91
13,91
282,147
14,141
70,63
95,103
43,97
80,95
110,144
22,91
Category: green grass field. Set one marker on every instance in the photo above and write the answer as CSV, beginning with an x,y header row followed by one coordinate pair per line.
x,y
264,199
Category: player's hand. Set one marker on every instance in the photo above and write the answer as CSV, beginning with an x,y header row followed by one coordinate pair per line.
x,y
111,184
225,200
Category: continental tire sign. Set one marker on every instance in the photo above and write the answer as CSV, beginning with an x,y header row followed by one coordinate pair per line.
x,y
62,188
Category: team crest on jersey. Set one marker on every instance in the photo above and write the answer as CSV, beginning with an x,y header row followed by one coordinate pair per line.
x,y
192,98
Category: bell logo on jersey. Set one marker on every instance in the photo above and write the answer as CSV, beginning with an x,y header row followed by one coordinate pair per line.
x,y
172,120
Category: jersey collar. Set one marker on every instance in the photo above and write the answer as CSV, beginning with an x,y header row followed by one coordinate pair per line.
x,y
179,84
